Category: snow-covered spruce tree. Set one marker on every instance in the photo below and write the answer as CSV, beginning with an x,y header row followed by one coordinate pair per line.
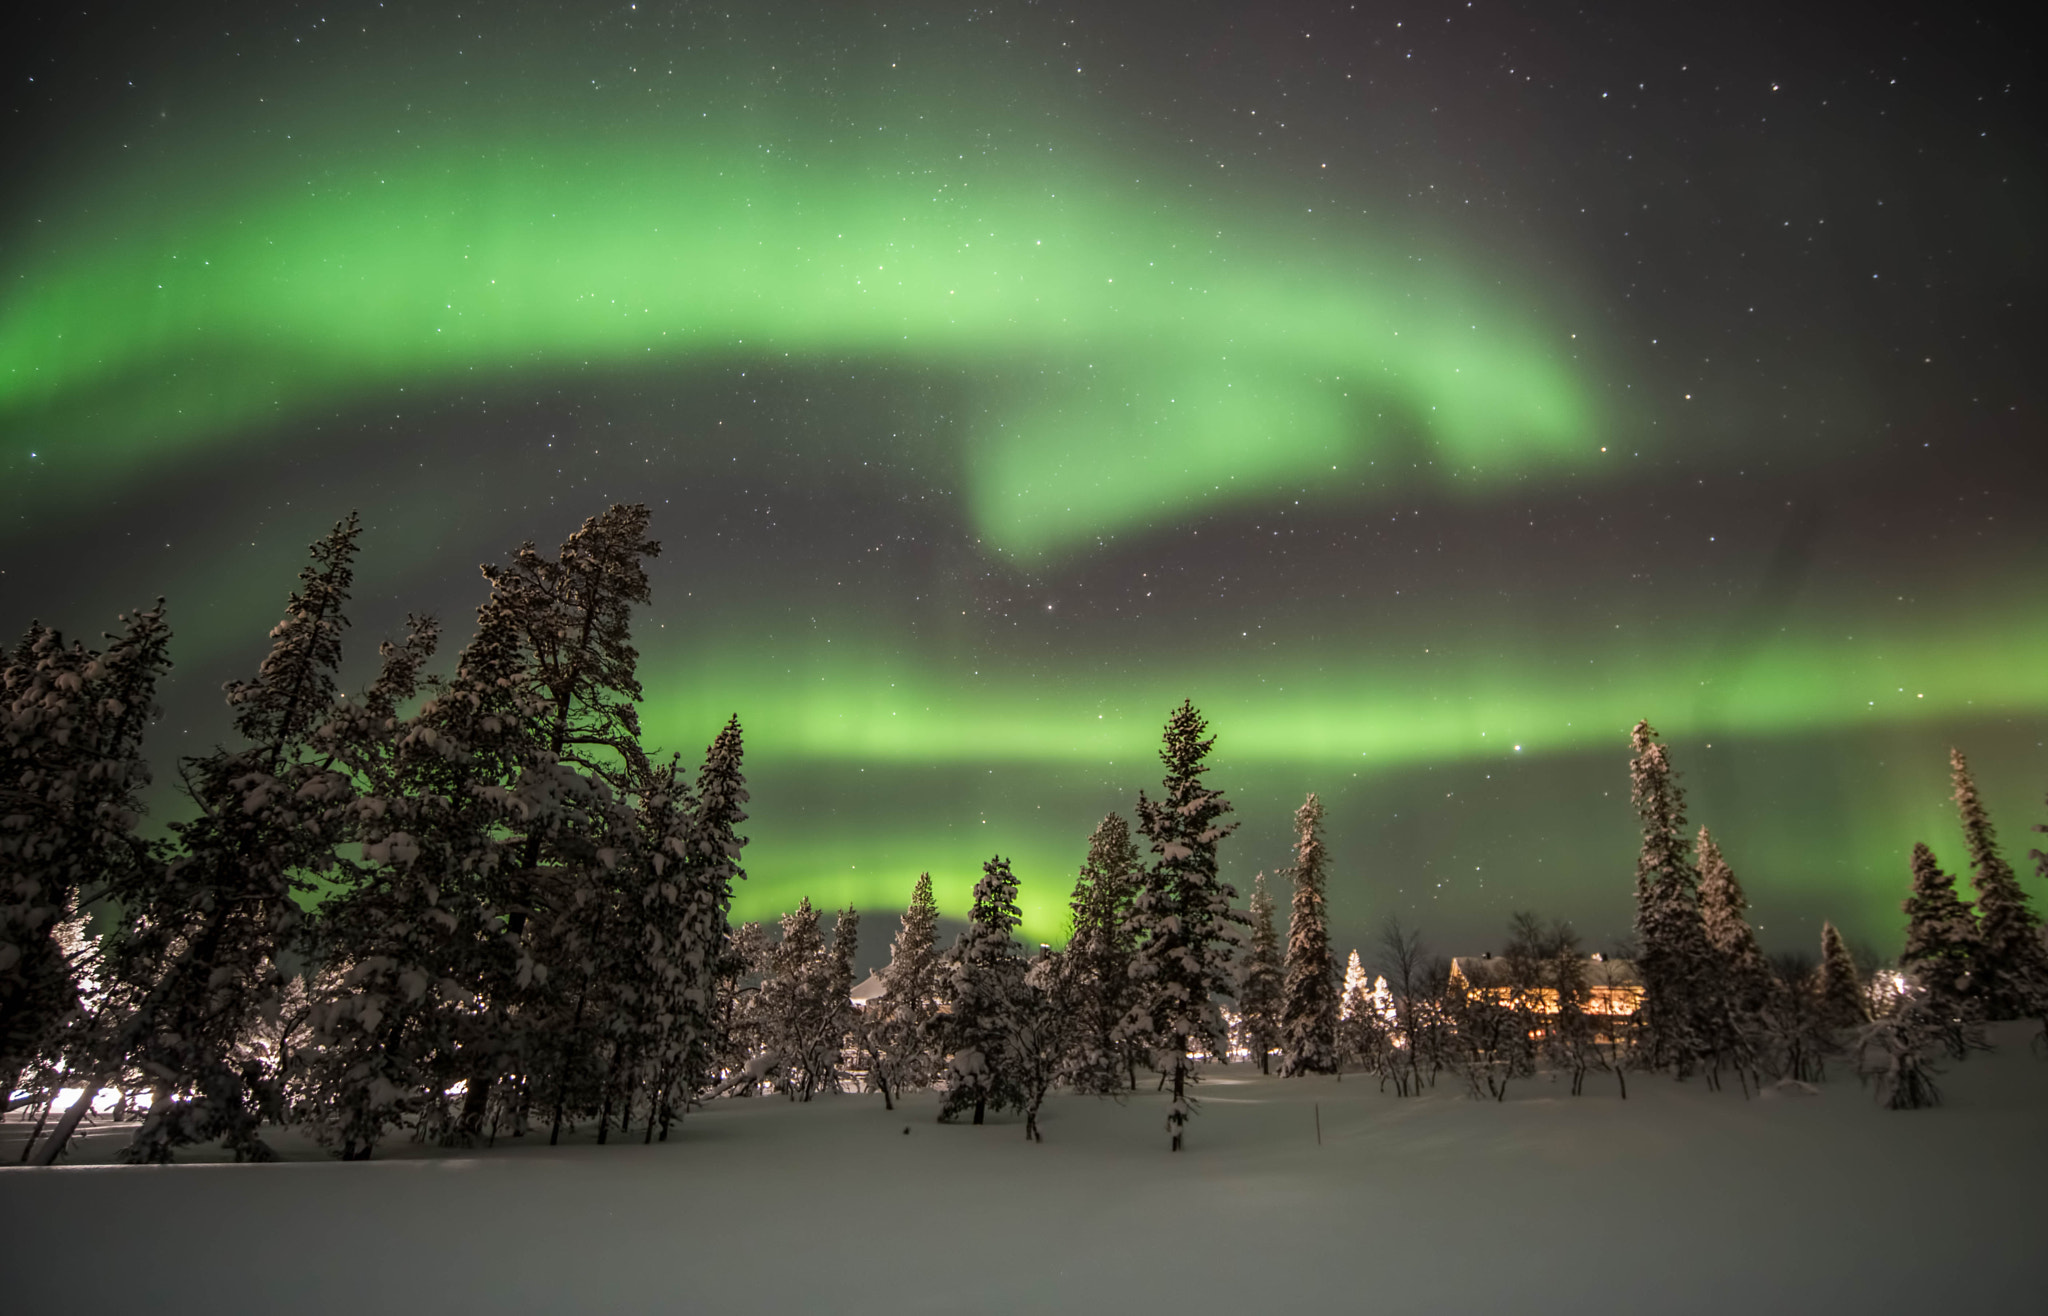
x,y
1361,1030
1260,981
900,1031
1724,913
1681,983
1941,938
845,945
1308,1009
2011,976
198,945
450,830
989,1001
71,778
1840,987
381,1004
1098,960
563,898
667,954
1181,919
799,1018
714,866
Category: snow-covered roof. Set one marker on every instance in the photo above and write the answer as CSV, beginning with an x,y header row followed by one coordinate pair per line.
x,y
868,988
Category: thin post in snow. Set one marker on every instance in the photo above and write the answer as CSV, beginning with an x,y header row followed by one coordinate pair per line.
x,y
1319,1123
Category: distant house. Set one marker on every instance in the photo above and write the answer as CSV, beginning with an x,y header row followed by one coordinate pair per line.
x,y
1613,987
868,989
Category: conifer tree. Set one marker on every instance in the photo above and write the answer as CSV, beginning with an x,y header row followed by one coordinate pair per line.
x,y
1309,1006
1181,918
71,776
1260,982
382,1006
1680,987
1723,912
840,980
989,1001
714,866
1361,1029
2011,977
1941,937
671,973
565,896
200,938
902,1034
441,845
1097,961
799,1018
1840,987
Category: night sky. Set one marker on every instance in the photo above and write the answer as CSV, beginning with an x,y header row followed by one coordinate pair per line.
x,y
1428,392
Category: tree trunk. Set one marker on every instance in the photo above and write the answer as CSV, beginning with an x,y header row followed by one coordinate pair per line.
x,y
562,1076
53,1146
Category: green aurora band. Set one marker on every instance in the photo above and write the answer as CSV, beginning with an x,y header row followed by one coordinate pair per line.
x,y
1130,353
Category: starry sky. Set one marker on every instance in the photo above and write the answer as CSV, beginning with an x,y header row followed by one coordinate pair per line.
x,y
1426,391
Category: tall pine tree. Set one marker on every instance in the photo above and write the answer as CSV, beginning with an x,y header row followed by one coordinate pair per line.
x,y
1181,919
713,866
989,1002
799,1017
902,1034
1097,967
1840,987
1941,938
1260,981
2012,964
1681,988
71,779
1745,977
1309,1005
199,945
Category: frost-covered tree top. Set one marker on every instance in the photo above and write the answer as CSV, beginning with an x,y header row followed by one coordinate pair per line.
x,y
1660,804
293,689
721,793
574,615
1840,987
913,956
1724,910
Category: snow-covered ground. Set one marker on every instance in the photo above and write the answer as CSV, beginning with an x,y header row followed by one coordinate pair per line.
x,y
1677,1200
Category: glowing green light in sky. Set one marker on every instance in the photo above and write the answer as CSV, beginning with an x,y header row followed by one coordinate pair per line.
x,y
1119,346
1128,352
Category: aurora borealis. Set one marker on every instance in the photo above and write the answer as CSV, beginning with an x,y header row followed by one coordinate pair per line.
x,y
1426,392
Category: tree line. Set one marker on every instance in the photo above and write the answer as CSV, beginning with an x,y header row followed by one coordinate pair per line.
x,y
470,906
448,904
